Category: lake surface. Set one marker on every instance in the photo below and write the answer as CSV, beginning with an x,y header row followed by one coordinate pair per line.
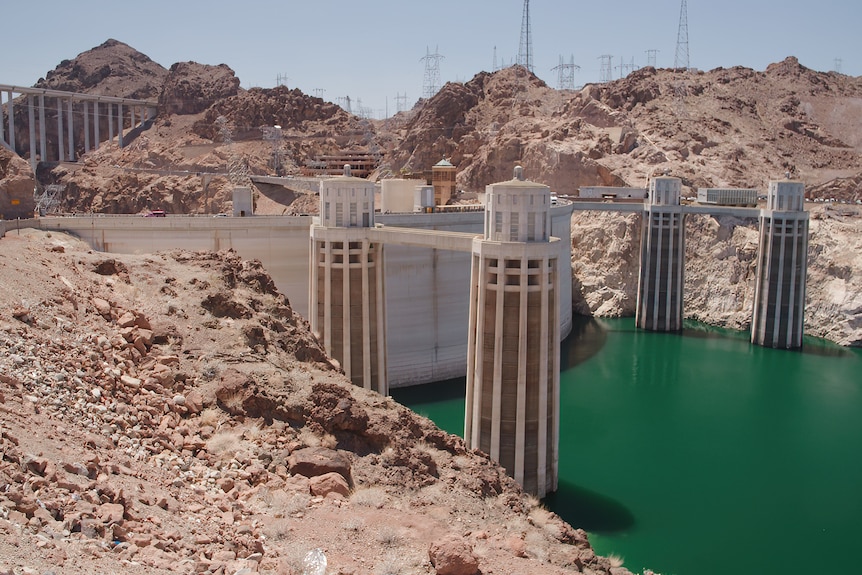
x,y
702,454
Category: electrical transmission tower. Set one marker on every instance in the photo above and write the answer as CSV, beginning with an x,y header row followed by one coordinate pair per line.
x,y
837,65
681,58
400,102
650,57
344,102
566,73
525,49
606,71
318,92
281,80
494,67
431,85
48,201
237,168
680,88
273,136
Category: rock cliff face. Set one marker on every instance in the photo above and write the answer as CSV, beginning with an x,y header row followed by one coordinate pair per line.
x,y
191,88
16,186
721,270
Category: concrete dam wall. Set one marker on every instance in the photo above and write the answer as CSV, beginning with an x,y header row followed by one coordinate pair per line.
x,y
427,291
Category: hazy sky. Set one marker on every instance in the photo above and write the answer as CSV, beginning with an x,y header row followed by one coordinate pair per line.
x,y
371,50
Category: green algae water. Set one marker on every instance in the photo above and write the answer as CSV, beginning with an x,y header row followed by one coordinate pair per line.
x,y
702,454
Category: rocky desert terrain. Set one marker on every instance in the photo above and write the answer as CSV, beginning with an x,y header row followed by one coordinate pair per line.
x,y
171,413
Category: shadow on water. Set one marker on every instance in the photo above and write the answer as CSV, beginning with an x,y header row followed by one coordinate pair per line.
x,y
450,389
586,340
589,510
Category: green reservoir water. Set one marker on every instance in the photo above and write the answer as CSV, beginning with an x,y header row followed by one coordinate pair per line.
x,y
702,454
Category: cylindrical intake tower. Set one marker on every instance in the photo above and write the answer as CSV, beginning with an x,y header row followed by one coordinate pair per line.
x,y
662,261
346,290
513,365
782,264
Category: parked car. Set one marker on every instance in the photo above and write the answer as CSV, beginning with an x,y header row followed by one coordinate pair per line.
x,y
156,214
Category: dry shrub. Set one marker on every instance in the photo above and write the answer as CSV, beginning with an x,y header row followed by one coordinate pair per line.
x,y
375,497
225,443
536,546
392,564
389,537
277,530
286,503
209,417
354,523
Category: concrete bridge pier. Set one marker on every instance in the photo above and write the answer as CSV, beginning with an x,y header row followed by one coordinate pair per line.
x,y
346,291
513,363
66,105
782,264
662,260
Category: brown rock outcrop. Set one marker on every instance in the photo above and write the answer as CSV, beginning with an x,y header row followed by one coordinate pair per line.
x,y
17,185
191,88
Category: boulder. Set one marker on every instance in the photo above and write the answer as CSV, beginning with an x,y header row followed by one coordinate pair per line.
x,y
327,483
314,461
452,555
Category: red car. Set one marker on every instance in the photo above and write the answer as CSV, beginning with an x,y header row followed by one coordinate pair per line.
x,y
156,214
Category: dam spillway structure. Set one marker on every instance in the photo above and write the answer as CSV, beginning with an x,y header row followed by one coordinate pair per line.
x,y
346,285
513,365
782,263
662,259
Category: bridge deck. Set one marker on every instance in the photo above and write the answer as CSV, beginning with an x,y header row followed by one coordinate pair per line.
x,y
78,96
686,209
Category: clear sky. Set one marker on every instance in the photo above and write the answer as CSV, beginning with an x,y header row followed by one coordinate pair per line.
x,y
371,49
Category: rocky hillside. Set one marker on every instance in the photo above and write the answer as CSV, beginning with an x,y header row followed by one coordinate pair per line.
x,y
161,169
170,412
727,127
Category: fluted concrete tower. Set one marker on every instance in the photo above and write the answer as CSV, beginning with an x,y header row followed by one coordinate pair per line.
x,y
662,262
782,264
513,361
346,281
